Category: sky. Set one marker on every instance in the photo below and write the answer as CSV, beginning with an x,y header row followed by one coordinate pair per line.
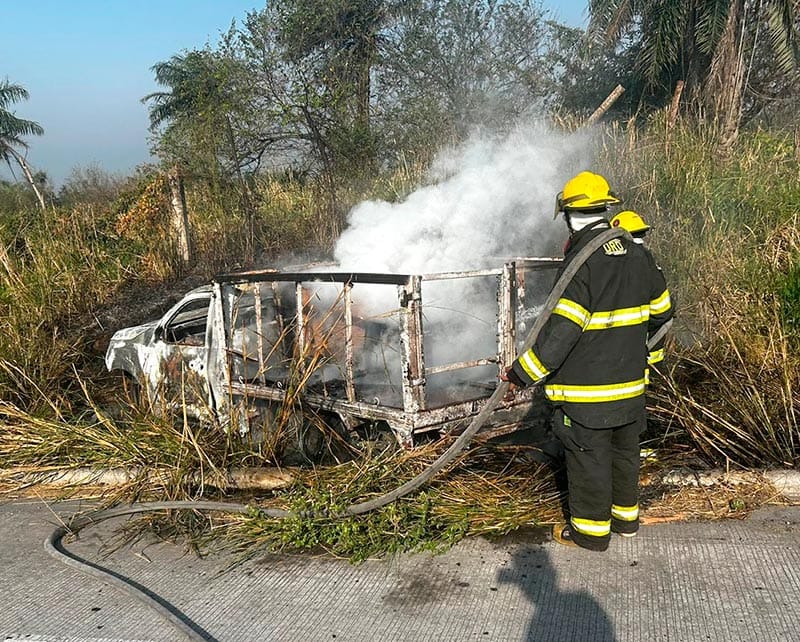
x,y
87,63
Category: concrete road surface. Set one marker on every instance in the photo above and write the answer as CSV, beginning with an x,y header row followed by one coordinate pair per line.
x,y
720,581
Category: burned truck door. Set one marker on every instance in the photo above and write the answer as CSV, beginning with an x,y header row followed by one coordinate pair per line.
x,y
182,355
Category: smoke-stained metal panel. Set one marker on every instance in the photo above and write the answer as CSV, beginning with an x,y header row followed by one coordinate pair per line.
x,y
413,361
349,377
506,307
309,277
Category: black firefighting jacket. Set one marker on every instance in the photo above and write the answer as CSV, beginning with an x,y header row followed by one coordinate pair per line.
x,y
592,353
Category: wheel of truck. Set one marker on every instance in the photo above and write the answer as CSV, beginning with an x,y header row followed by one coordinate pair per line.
x,y
339,445
375,437
315,438
311,439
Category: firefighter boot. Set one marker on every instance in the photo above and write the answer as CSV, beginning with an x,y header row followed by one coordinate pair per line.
x,y
565,534
562,533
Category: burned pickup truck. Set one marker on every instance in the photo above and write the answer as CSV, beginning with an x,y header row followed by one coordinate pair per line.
x,y
355,349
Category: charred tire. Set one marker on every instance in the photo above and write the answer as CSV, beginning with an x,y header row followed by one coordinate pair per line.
x,y
311,439
375,437
320,437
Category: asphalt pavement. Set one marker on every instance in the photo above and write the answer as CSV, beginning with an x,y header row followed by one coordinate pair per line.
x,y
720,581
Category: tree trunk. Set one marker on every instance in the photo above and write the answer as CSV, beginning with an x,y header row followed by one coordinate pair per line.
x,y
179,219
726,79
630,127
797,142
245,200
672,117
605,105
28,174
332,223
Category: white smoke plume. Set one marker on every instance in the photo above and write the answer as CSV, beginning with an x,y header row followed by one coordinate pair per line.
x,y
485,202
490,199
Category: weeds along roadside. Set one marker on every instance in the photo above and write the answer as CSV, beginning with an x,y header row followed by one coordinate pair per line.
x,y
726,234
56,269
488,491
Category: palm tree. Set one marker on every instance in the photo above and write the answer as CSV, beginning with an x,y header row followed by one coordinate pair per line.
x,y
196,94
197,98
191,87
342,42
12,129
346,34
702,42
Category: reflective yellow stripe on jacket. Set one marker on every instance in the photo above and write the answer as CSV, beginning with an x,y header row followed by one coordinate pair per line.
x,y
660,304
575,312
655,356
618,318
594,394
604,320
532,366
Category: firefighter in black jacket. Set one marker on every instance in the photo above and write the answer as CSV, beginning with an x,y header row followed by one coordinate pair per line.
x,y
636,226
592,358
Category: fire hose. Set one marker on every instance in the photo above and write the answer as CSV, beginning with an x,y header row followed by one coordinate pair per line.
x,y
55,548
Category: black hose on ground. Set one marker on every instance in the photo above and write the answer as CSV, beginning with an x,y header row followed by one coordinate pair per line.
x,y
53,543
55,548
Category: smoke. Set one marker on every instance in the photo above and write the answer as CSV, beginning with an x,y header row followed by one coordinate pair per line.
x,y
490,199
485,202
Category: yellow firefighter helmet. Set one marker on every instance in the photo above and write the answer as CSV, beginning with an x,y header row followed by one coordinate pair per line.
x,y
630,221
586,191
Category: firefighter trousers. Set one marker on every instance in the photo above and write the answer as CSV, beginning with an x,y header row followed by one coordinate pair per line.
x,y
602,477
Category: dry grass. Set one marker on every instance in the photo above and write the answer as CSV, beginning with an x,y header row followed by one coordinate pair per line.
x,y
726,232
723,501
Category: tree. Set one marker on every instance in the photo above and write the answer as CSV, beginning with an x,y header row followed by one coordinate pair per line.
x,y
198,112
196,104
346,37
452,65
771,96
333,88
309,64
328,51
589,72
703,42
12,129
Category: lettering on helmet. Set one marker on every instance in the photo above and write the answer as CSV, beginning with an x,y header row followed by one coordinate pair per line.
x,y
614,248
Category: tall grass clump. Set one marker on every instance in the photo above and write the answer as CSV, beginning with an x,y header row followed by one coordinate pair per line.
x,y
486,492
157,455
725,232
55,270
296,216
288,215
